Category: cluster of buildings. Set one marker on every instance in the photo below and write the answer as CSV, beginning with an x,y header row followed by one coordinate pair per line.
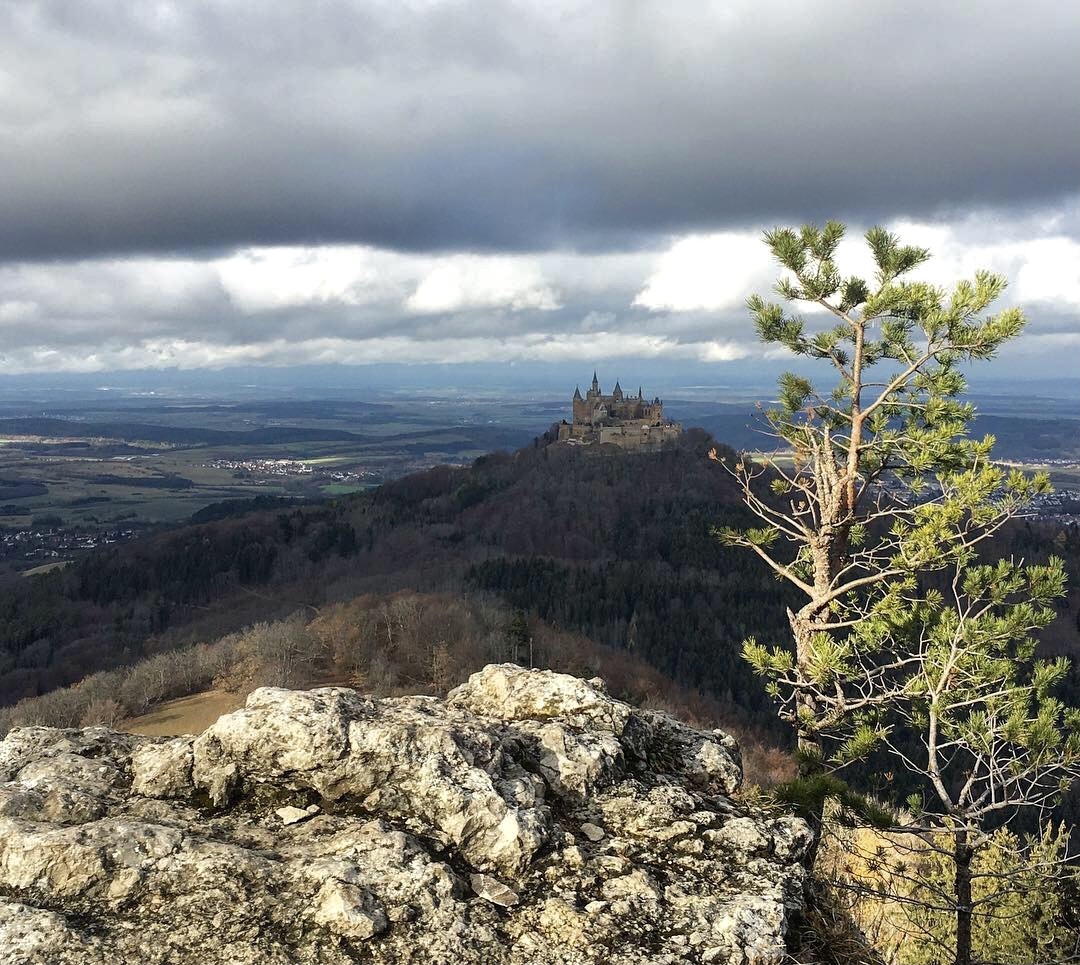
x,y
263,469
266,467
623,420
1061,506
45,544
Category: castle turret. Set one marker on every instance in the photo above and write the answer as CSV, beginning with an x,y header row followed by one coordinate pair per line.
x,y
577,393
595,384
616,393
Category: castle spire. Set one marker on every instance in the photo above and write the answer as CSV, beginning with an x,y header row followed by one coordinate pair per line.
x,y
577,394
595,383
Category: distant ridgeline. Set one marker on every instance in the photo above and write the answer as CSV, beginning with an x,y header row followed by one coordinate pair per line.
x,y
627,421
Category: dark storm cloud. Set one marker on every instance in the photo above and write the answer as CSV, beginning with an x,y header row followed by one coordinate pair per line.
x,y
495,126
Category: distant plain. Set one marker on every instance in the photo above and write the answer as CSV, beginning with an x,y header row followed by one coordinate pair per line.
x,y
98,459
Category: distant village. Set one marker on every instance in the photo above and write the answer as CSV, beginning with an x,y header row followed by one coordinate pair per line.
x,y
1062,506
46,544
242,468
264,467
629,421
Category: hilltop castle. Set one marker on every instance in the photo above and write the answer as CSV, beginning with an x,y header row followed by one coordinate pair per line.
x,y
628,421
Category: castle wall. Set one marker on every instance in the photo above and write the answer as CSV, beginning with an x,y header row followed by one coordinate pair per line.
x,y
597,408
634,436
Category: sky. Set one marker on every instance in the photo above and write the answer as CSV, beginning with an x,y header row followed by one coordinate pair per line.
x,y
216,183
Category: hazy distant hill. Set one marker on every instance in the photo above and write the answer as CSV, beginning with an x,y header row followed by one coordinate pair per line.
x,y
1022,432
188,436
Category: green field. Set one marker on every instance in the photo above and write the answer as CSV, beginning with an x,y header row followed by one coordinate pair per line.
x,y
342,489
98,466
1067,477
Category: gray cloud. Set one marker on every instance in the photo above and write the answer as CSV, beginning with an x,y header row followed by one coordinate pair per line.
x,y
682,300
499,127
217,182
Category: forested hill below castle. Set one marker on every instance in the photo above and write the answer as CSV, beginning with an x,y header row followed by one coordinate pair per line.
x,y
616,545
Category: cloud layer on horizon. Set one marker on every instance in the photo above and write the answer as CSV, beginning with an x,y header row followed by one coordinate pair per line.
x,y
356,304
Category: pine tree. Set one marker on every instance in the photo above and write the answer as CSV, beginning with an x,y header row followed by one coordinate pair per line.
x,y
880,494
993,738
851,511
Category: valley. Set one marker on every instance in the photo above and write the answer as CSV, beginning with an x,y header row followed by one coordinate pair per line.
x,y
81,470
77,476
132,526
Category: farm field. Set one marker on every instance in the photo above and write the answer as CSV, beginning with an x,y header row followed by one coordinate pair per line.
x,y
74,476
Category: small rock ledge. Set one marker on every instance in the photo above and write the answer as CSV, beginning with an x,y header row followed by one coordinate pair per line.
x,y
528,818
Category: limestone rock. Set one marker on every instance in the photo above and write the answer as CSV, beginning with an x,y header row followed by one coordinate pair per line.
x,y
349,910
509,692
33,936
163,769
528,818
592,832
493,890
292,815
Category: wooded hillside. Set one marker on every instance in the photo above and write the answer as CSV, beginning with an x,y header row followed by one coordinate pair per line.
x,y
615,545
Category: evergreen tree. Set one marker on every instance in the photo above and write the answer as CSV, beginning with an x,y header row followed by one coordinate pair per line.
x,y
519,639
881,493
1022,891
852,510
898,889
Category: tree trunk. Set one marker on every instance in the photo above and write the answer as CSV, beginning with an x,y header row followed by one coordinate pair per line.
x,y
828,553
962,853
811,751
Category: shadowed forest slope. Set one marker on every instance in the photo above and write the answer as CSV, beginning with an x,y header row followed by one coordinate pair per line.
x,y
614,545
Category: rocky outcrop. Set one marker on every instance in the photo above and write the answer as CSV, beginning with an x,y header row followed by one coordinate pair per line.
x,y
528,818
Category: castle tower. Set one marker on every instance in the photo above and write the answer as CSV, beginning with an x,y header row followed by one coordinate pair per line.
x,y
578,406
616,393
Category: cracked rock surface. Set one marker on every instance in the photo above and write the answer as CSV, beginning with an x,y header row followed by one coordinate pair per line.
x,y
527,818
